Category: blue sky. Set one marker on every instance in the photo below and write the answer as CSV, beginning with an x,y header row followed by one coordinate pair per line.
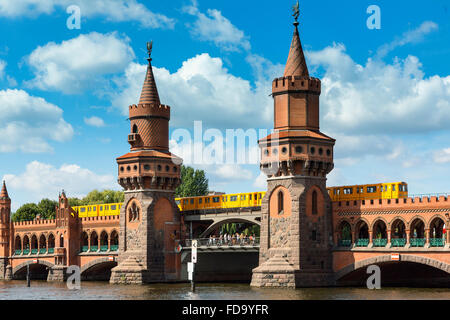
x,y
64,93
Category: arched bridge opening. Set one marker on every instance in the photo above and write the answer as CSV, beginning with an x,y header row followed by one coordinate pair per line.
x,y
38,271
98,269
410,271
232,226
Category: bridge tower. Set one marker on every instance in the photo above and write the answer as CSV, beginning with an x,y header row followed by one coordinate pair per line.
x,y
5,233
296,225
149,174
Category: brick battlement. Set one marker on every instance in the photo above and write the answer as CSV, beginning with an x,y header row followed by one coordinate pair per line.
x,y
145,109
100,219
35,222
296,83
386,204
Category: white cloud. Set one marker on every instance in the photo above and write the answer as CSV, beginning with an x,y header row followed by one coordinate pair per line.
x,y
442,156
412,36
2,68
380,98
28,123
213,26
261,182
41,180
231,172
202,89
112,10
94,121
79,63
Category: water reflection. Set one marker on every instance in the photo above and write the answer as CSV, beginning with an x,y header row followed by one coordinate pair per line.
x,y
42,290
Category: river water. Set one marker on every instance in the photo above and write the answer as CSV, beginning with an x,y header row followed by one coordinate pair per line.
x,y
42,290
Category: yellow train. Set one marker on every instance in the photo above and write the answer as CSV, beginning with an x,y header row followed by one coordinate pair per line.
x,y
97,210
223,201
391,190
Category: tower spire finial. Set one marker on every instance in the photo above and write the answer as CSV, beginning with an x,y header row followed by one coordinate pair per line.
x,y
4,191
296,14
149,50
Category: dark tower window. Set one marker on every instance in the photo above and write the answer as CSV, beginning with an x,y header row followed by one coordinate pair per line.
x,y
135,129
280,202
314,202
314,235
298,149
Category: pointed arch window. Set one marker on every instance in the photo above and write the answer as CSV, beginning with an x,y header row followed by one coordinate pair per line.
x,y
135,128
280,202
314,202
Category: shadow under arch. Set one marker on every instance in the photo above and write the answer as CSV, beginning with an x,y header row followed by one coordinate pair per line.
x,y
411,270
215,225
38,271
98,269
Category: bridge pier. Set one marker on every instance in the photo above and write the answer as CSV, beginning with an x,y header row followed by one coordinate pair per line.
x,y
57,274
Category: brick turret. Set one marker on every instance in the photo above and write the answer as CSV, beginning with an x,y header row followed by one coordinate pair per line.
x,y
149,174
5,232
296,226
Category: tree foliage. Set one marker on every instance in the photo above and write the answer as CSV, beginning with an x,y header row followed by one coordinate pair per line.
x,y
193,183
28,211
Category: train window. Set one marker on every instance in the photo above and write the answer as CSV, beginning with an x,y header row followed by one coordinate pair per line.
x,y
405,187
82,209
94,209
200,200
371,189
335,191
233,198
242,197
224,199
250,197
207,200
362,189
348,190
216,199
192,201
101,208
393,187
338,191
113,207
177,202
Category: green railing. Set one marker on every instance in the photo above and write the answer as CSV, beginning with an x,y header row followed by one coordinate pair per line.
x,y
398,242
345,243
34,251
437,242
94,249
84,248
103,248
362,243
51,250
114,247
26,251
379,242
18,252
417,242
42,250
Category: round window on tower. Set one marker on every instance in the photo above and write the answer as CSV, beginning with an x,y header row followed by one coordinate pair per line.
x,y
159,167
174,169
167,168
298,149
313,150
128,168
284,150
275,151
328,152
320,151
121,169
146,167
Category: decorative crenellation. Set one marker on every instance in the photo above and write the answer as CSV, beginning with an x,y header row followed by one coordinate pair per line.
x,y
296,83
150,182
145,109
389,204
291,167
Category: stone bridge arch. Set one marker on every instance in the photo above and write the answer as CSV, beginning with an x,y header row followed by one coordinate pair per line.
x,y
387,258
17,269
98,269
220,221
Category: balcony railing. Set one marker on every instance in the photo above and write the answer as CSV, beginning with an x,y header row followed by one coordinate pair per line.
x,y
398,242
94,249
417,242
103,248
26,251
42,250
379,242
362,243
114,247
84,248
437,242
345,243
51,250
18,252
34,251
208,242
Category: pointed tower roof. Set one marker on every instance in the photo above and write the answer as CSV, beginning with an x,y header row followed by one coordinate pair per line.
x,y
296,64
4,192
149,93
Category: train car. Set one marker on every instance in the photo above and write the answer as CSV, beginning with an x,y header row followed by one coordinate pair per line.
x,y
224,201
96,210
391,190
